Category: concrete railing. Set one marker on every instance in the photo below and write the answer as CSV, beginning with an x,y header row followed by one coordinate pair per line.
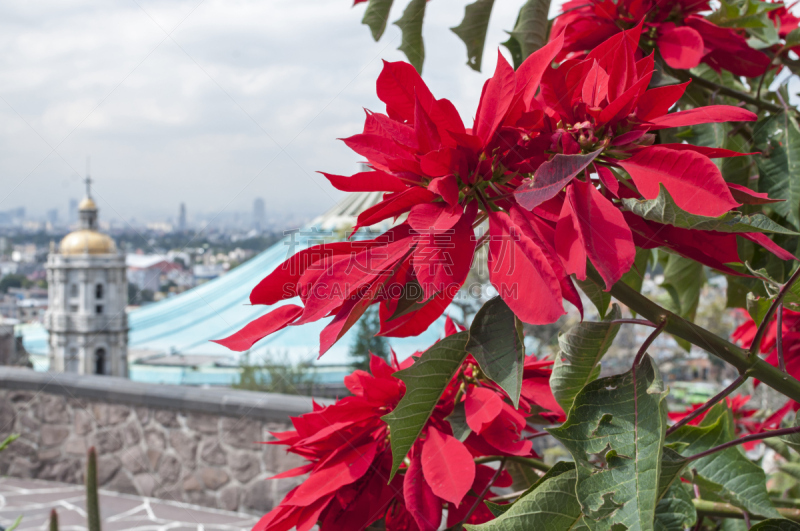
x,y
188,444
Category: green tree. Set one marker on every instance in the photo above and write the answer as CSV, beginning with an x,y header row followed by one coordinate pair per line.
x,y
367,341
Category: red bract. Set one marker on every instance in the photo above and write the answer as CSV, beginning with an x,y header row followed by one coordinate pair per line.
x,y
675,27
347,446
746,332
544,164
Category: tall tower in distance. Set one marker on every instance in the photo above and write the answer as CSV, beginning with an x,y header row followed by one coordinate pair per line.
x,y
182,218
87,294
258,214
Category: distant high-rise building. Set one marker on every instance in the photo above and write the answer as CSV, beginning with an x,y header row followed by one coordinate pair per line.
x,y
182,218
72,213
52,216
258,213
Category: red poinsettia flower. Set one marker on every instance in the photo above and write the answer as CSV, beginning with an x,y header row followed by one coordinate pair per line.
x,y
347,446
746,332
545,164
675,27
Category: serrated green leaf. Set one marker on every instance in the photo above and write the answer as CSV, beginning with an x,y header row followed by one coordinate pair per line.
x,y
410,25
776,524
376,16
615,433
556,470
727,476
578,362
675,511
599,297
778,139
472,30
425,382
551,506
530,31
663,209
495,340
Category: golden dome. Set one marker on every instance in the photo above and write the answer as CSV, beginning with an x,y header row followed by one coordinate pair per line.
x,y
87,204
87,241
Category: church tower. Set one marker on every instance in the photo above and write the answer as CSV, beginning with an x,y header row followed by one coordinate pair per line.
x,y
87,292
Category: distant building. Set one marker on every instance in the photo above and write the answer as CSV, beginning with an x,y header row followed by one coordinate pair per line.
x,y
52,217
72,213
87,293
182,218
258,214
145,271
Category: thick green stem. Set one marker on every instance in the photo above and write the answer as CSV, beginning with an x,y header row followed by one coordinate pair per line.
x,y
696,335
724,510
738,94
53,520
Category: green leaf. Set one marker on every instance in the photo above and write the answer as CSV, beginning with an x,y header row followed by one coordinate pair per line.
x,y
425,382
793,440
376,16
15,524
615,433
675,511
683,280
495,340
458,422
530,31
727,476
778,139
757,307
791,469
635,275
599,297
472,30
664,210
776,524
793,38
578,362
551,506
11,438
410,25
556,470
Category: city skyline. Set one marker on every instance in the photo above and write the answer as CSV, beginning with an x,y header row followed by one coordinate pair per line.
x,y
208,104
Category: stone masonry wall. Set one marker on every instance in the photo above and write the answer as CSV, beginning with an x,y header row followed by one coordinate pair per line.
x,y
181,453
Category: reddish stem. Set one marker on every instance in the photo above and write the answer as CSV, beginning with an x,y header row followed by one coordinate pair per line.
x,y
708,405
747,439
762,328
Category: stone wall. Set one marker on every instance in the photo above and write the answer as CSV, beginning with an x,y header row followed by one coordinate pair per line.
x,y
184,444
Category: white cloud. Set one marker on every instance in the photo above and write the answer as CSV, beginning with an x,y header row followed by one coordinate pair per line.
x,y
202,119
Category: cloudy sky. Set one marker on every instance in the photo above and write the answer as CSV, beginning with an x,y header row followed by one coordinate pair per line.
x,y
207,102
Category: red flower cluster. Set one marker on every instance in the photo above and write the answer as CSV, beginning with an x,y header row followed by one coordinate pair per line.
x,y
537,164
348,447
746,332
683,37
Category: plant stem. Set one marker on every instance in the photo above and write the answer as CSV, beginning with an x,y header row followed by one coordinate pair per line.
x,y
533,463
480,498
742,440
647,342
762,328
92,503
724,510
738,94
779,338
696,335
643,322
708,405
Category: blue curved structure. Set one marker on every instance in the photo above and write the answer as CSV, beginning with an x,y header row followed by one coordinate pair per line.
x,y
186,323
